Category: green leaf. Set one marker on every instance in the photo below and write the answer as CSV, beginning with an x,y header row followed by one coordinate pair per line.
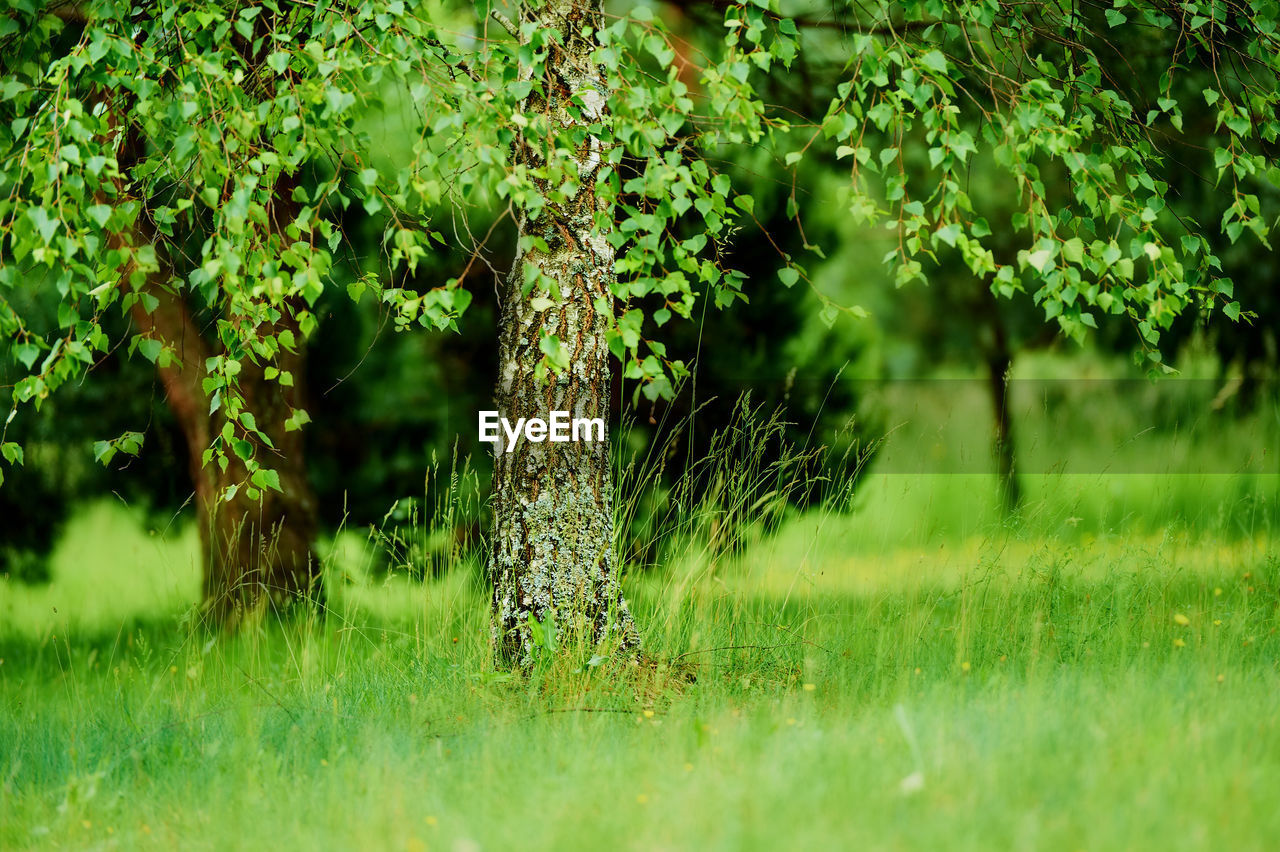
x,y
948,233
788,275
12,452
150,348
265,478
99,213
934,61
103,452
26,354
45,224
554,351
1039,259
1073,250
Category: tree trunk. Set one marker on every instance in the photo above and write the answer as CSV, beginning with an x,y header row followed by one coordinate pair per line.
x,y
552,559
998,377
170,322
999,360
260,550
254,552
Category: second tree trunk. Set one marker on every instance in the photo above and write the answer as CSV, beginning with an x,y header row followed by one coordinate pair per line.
x,y
254,553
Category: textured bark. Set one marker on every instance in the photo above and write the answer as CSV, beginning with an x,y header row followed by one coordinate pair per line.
x,y
552,550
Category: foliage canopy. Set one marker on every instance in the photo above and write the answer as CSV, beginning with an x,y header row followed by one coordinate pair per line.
x,y
211,148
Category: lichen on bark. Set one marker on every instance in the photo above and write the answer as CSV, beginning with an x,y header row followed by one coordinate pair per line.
x,y
552,550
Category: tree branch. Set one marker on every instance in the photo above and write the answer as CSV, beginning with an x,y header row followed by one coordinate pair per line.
x,y
506,24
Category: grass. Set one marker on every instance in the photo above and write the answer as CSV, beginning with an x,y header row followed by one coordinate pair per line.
x,y
1074,692
1100,672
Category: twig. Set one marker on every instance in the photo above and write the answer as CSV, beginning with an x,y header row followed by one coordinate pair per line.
x,y
506,24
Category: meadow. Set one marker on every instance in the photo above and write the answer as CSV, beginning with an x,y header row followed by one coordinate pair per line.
x,y
889,622
916,671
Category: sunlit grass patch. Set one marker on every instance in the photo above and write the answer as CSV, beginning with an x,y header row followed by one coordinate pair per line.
x,y
107,569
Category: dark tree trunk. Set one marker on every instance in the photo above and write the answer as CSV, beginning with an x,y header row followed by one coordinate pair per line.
x,y
170,322
998,376
999,360
255,552
552,555
260,550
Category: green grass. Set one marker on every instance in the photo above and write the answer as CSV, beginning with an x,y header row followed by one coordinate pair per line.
x,y
918,674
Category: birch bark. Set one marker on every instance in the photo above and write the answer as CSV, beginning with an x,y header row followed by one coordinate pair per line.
x,y
552,552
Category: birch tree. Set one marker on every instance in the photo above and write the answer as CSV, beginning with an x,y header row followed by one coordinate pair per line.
x,y
579,129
